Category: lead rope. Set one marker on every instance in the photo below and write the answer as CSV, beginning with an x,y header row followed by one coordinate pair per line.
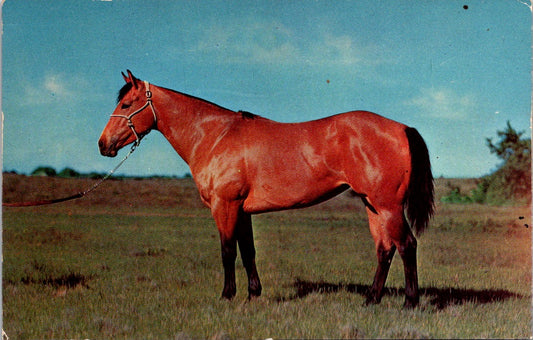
x,y
110,173
97,184
79,194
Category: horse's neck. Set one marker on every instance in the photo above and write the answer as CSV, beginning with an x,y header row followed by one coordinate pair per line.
x,y
191,125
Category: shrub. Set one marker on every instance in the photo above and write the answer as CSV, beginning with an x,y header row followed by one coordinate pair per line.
x,y
455,195
68,173
44,171
511,182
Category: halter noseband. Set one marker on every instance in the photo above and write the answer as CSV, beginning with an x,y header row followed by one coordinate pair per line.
x,y
130,123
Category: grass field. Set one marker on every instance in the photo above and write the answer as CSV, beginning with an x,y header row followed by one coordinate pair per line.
x,y
141,259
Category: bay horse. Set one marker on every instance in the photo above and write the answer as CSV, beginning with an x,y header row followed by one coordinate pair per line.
x,y
245,164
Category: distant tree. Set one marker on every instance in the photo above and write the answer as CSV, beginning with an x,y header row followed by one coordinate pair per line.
x,y
512,180
68,173
455,196
44,171
94,175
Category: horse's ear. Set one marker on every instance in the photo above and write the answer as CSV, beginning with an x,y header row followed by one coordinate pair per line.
x,y
132,79
126,79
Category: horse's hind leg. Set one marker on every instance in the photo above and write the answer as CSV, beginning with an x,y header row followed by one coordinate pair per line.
x,y
385,252
245,239
384,260
391,231
407,248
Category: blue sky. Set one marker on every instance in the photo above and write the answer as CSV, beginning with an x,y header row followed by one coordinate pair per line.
x,y
455,70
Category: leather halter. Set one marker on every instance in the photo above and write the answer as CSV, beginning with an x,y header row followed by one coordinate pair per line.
x,y
130,123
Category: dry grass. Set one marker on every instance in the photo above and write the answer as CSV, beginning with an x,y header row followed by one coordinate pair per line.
x,y
141,259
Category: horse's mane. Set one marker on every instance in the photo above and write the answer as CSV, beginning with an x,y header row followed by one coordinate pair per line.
x,y
244,114
127,87
122,92
247,115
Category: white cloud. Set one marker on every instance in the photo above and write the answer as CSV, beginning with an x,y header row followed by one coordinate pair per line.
x,y
343,50
340,50
270,42
443,103
254,41
52,89
56,86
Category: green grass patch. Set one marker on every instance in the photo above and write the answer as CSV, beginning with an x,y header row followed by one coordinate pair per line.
x,y
152,272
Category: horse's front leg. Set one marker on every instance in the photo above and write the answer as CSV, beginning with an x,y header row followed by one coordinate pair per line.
x,y
234,225
226,215
245,239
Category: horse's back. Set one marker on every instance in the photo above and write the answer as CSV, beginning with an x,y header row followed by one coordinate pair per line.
x,y
299,164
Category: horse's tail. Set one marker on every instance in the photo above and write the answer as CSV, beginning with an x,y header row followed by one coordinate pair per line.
x,y
419,201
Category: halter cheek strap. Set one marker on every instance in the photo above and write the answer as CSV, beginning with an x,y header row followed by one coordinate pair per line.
x,y
128,118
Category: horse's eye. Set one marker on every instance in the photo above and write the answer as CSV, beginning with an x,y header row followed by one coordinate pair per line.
x,y
125,105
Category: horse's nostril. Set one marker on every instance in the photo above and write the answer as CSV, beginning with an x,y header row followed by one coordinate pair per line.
x,y
101,144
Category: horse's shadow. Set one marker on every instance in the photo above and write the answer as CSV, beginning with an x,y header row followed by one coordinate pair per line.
x,y
439,297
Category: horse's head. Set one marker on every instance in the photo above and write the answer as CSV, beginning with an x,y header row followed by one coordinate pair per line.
x,y
132,119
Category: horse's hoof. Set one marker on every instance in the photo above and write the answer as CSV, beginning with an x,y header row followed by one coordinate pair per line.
x,y
252,296
371,300
410,303
253,293
228,295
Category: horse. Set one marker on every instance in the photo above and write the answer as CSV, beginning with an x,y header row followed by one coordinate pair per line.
x,y
244,164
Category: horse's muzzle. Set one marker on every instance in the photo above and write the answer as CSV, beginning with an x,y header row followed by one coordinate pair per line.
x,y
106,150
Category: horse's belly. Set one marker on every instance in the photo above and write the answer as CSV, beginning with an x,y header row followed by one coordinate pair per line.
x,y
289,196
